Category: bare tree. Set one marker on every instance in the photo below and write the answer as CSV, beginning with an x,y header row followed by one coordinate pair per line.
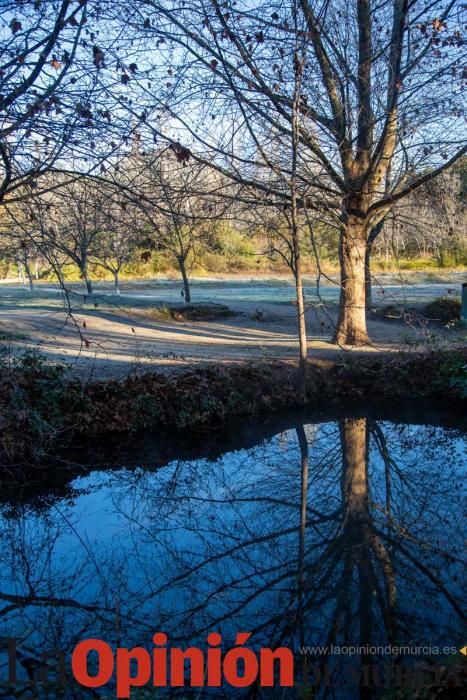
x,y
39,101
18,248
177,203
31,73
71,221
61,83
119,235
430,221
381,85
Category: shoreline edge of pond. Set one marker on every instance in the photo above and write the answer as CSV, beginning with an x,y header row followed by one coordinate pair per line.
x,y
42,409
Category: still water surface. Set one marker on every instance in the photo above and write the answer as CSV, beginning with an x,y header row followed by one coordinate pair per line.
x,y
344,531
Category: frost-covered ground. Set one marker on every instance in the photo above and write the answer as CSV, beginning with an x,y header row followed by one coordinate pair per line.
x,y
120,334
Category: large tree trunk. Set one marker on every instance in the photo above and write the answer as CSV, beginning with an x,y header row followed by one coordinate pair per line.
x,y
116,282
89,287
186,284
351,324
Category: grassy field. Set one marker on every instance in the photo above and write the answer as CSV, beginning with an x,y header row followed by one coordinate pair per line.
x,y
408,288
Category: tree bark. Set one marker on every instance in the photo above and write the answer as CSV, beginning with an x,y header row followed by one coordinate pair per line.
x,y
87,281
29,275
116,282
351,324
186,284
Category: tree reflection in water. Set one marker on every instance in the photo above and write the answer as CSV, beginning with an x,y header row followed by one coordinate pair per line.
x,y
343,533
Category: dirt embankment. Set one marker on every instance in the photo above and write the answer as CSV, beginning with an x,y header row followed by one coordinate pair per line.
x,y
41,410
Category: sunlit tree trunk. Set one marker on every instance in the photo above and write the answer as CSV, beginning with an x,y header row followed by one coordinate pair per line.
x,y
302,337
89,287
351,324
368,288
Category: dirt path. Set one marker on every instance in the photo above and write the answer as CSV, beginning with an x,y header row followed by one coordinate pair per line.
x,y
112,343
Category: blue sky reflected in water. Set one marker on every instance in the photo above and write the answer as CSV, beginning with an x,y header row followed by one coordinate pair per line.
x,y
223,545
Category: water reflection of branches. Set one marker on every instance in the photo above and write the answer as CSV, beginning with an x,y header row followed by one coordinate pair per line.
x,y
331,534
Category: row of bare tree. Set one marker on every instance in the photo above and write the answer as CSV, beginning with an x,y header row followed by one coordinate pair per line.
x,y
311,109
156,204
161,205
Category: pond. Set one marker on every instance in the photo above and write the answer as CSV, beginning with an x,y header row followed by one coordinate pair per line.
x,y
340,529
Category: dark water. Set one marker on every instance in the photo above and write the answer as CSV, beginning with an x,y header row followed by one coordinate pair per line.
x,y
341,530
